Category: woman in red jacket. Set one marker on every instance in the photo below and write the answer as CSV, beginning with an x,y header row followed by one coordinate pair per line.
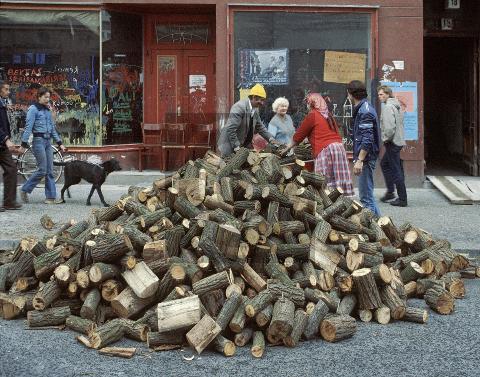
x,y
327,147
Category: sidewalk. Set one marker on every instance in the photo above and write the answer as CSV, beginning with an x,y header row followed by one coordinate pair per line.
x,y
428,209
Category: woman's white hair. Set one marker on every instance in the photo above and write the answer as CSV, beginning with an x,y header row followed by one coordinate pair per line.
x,y
279,101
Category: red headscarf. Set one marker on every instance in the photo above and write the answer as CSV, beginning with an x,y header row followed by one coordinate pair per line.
x,y
317,102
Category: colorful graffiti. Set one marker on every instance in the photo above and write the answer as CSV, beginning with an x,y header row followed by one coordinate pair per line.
x,y
122,103
75,92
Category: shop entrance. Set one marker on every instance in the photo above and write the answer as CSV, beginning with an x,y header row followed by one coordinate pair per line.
x,y
180,84
451,106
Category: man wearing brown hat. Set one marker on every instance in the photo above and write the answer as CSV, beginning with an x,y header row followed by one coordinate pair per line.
x,y
243,122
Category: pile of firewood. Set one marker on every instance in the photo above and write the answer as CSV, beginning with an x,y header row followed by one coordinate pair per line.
x,y
251,249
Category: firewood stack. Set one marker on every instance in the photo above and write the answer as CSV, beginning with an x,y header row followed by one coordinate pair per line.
x,y
252,250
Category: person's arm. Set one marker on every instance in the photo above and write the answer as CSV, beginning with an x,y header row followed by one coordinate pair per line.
x,y
389,124
365,138
303,131
4,135
272,128
262,130
31,115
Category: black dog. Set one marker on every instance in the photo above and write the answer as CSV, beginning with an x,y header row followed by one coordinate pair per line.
x,y
95,174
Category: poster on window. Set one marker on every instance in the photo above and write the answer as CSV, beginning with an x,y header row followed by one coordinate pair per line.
x,y
406,94
267,67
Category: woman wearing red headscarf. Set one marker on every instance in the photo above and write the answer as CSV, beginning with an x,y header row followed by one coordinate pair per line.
x,y
327,147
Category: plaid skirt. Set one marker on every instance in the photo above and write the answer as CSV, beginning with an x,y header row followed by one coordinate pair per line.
x,y
332,162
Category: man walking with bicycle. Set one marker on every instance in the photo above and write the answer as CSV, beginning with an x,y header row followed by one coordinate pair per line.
x,y
6,149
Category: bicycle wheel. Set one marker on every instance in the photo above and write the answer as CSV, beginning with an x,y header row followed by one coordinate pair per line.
x,y
28,164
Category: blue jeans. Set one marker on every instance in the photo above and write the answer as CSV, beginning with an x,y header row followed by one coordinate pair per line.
x,y
392,168
365,186
43,152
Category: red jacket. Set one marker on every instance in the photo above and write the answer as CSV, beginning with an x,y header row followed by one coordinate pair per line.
x,y
316,128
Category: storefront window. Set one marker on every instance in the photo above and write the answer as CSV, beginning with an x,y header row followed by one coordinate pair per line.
x,y
122,107
296,53
60,50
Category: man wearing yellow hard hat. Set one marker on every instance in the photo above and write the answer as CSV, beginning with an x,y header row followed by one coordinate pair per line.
x,y
243,122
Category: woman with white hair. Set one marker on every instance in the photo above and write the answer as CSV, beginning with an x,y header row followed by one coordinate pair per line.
x,y
281,125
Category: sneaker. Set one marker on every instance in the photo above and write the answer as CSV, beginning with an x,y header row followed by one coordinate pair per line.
x,y
399,203
24,196
49,201
12,207
388,196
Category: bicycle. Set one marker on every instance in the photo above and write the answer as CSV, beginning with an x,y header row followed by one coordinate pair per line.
x,y
27,164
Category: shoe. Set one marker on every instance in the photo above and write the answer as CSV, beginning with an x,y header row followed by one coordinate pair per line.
x,y
49,201
24,196
2,209
399,203
388,196
12,207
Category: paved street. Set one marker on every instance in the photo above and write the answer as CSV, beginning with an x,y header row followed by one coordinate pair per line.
x,y
446,346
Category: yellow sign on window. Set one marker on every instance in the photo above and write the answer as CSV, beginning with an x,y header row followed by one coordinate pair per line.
x,y
343,67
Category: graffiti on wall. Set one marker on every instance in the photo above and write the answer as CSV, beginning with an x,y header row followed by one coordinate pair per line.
x,y
122,103
74,96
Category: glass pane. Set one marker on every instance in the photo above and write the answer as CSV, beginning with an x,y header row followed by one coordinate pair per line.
x,y
181,34
122,107
296,53
42,48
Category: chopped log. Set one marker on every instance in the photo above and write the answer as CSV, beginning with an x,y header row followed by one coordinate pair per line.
x,y
264,316
110,248
316,295
310,273
44,264
282,227
393,302
282,320
141,279
228,240
137,237
440,300
224,346
344,281
367,291
124,352
216,281
237,323
365,315
293,293
100,272
127,304
174,276
108,333
48,317
347,305
324,257
299,324
325,280
313,323
63,274
274,270
454,284
81,325
258,344
297,251
411,272
411,289
382,274
338,327
382,315
322,230
345,225
242,338
417,240
47,294
178,314
425,284
154,250
228,310
89,307
200,336
155,339
25,284
417,315
365,247
259,302
390,230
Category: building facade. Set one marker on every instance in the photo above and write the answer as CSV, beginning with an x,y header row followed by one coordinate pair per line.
x,y
117,67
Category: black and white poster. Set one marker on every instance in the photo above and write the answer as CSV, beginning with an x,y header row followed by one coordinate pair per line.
x,y
268,67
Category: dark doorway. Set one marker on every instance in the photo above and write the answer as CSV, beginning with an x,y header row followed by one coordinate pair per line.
x,y
451,106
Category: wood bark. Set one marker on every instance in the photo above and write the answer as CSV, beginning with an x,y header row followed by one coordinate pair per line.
x,y
282,320
338,327
367,291
48,317
314,319
393,302
202,334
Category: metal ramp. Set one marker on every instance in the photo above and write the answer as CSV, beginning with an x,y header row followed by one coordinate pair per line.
x,y
459,190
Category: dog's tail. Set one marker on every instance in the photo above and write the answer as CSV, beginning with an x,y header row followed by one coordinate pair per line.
x,y
58,163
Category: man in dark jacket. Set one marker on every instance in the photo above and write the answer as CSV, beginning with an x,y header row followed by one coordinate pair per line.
x,y
366,142
6,149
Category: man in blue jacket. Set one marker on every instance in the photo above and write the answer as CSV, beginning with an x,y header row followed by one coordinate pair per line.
x,y
366,142
6,149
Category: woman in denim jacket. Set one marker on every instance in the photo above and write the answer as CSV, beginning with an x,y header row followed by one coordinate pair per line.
x,y
41,125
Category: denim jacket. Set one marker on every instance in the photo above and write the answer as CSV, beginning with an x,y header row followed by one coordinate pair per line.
x,y
366,131
39,119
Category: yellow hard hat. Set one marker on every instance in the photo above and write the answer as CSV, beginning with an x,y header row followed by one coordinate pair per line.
x,y
259,91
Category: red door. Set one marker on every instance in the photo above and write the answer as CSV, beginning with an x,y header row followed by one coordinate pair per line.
x,y
179,73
